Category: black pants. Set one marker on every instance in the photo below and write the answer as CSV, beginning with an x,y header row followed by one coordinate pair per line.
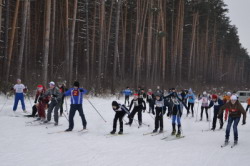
x,y
151,106
190,105
118,115
54,105
61,106
248,106
137,110
159,118
127,99
215,119
73,109
206,109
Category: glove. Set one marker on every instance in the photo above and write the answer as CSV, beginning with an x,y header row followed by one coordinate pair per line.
x,y
81,90
54,95
40,99
244,122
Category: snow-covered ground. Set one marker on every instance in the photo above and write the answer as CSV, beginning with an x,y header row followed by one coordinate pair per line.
x,y
22,145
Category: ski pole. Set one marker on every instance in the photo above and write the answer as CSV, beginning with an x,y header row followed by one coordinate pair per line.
x,y
96,111
65,116
65,100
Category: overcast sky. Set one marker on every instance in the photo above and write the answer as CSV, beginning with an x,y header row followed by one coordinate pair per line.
x,y
239,14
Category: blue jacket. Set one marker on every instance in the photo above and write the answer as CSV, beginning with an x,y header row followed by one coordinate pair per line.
x,y
216,105
76,95
127,92
190,97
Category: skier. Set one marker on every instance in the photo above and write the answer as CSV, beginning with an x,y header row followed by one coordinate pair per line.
x,y
176,111
139,105
120,111
248,104
19,89
217,103
127,92
42,102
191,99
235,111
158,91
54,93
76,94
150,100
160,110
62,89
204,105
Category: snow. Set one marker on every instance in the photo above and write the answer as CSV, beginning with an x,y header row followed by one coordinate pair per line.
x,y
32,145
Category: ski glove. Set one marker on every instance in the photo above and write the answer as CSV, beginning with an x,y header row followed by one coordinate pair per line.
x,y
54,95
81,90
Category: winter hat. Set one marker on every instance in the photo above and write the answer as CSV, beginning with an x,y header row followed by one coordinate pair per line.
x,y
158,94
76,83
214,96
204,93
233,97
52,83
39,86
114,103
136,94
229,93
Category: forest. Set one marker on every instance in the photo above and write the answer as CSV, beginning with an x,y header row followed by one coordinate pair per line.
x,y
111,44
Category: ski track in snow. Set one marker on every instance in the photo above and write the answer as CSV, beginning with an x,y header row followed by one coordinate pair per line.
x,y
22,145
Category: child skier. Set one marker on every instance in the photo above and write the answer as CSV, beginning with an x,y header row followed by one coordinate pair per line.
x,y
120,111
176,112
76,94
42,102
191,99
19,89
235,111
160,110
204,105
217,103
139,105
150,100
127,92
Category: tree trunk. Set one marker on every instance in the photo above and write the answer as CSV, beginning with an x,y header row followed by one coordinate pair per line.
x,y
13,30
20,57
46,42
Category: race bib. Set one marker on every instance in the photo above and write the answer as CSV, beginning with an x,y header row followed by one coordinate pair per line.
x,y
75,93
136,103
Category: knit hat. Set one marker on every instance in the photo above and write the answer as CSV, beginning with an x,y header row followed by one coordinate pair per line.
x,y
76,83
214,96
229,93
136,94
204,93
39,86
52,83
233,97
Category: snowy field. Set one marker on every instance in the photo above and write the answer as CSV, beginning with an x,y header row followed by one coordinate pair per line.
x,y
22,145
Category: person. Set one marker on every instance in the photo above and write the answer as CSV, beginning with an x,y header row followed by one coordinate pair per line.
x,y
191,99
120,111
158,91
248,104
177,105
62,89
139,105
226,99
160,110
127,92
217,103
19,90
76,94
235,110
204,105
55,101
150,100
142,94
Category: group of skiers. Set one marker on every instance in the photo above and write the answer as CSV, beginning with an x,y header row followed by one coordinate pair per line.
x,y
52,99
173,101
159,102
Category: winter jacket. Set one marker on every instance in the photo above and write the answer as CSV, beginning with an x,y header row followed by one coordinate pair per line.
x,y
127,92
54,94
216,104
235,110
122,108
76,95
139,103
190,97
205,99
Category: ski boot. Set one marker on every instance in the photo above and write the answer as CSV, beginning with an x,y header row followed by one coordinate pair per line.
x,y
226,141
213,128
128,123
154,131
179,131
112,132
235,142
161,131
56,123
68,130
120,132
174,131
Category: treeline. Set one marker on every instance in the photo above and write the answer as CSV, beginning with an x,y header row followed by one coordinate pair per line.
x,y
109,44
